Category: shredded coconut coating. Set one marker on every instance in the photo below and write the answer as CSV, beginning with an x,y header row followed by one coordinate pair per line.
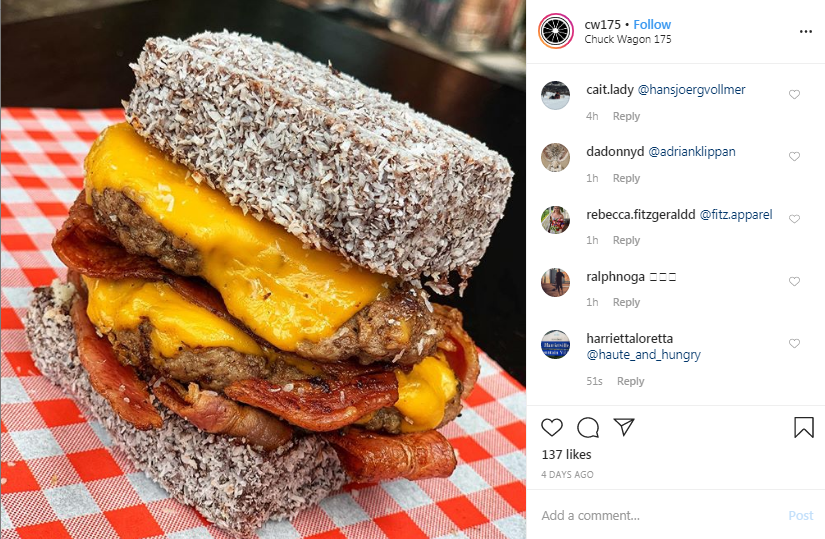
x,y
340,165
234,485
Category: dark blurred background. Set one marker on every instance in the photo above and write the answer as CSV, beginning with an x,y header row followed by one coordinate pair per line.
x,y
451,59
484,36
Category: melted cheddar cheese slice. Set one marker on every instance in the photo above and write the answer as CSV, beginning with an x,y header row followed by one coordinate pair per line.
x,y
282,291
124,304
424,392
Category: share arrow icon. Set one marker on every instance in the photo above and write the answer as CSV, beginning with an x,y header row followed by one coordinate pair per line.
x,y
624,423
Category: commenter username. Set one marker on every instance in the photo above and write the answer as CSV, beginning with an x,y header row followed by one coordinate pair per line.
x,y
655,151
674,90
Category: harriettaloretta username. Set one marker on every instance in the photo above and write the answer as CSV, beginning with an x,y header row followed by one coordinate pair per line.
x,y
233,323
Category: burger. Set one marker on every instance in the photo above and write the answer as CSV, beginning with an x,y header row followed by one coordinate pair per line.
x,y
251,260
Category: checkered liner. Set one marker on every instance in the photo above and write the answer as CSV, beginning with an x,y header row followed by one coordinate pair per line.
x,y
60,478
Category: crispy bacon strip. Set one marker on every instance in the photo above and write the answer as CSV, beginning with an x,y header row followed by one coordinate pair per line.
x,y
213,413
317,404
200,293
459,348
371,457
118,384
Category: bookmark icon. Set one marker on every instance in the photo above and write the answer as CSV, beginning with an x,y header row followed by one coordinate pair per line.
x,y
803,425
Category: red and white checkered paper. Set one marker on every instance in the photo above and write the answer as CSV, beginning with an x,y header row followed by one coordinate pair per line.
x,y
60,476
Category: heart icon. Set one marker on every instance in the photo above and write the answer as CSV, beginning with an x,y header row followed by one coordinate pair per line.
x,y
794,218
551,426
794,280
793,342
794,156
794,93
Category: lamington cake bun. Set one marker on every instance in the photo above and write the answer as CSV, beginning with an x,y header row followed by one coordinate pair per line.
x,y
337,163
247,309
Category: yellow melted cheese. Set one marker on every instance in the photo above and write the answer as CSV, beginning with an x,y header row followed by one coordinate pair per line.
x,y
280,290
424,392
124,304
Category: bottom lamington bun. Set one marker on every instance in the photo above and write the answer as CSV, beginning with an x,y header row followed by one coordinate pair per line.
x,y
235,486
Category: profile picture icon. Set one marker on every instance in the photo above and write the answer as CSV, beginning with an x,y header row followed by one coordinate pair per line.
x,y
555,344
556,31
555,282
555,220
555,95
555,157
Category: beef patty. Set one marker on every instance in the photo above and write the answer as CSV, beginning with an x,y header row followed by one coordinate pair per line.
x,y
399,328
216,368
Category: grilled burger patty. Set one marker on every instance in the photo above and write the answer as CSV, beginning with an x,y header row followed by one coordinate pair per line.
x,y
216,368
211,368
398,328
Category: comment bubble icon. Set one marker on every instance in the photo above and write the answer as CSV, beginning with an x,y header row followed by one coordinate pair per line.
x,y
588,428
